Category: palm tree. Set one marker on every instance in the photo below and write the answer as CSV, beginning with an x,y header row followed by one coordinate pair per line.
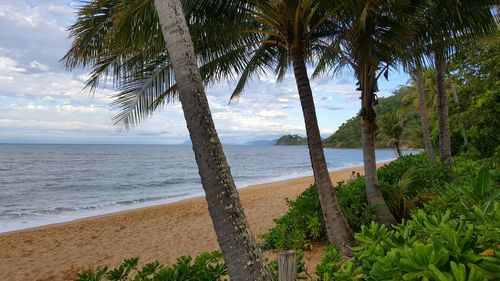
x,y
373,35
288,33
426,135
392,126
444,25
417,99
242,254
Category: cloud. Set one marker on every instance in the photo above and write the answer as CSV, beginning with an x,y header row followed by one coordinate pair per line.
x,y
41,102
9,65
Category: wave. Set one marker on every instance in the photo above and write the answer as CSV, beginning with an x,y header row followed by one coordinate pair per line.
x,y
63,209
173,181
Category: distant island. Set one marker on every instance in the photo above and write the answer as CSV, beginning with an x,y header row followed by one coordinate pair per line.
x,y
291,140
261,142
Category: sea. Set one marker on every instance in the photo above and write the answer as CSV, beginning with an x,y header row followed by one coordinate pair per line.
x,y
43,184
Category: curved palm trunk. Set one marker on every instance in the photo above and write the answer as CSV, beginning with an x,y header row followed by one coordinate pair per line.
x,y
337,229
241,252
397,148
369,128
423,117
444,126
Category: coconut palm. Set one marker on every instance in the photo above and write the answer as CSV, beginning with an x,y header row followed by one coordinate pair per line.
x,y
288,33
422,102
442,28
420,97
392,126
373,35
102,32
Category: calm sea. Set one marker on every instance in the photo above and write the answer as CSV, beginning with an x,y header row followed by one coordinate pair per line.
x,y
43,184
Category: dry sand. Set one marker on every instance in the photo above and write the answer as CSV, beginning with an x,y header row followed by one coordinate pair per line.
x,y
165,232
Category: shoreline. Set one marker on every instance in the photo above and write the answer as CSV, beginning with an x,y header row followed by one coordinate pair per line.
x,y
164,233
276,180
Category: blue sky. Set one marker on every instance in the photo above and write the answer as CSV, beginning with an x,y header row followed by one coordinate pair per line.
x,y
41,103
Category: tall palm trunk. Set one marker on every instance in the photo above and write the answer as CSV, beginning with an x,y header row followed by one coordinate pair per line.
x,y
444,126
423,116
241,252
369,128
337,229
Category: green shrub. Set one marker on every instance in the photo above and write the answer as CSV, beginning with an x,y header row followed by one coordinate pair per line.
x,y
427,247
352,199
465,169
332,267
303,223
409,182
460,200
461,243
428,176
208,266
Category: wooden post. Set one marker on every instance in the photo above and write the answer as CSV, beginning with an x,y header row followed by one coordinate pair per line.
x,y
287,269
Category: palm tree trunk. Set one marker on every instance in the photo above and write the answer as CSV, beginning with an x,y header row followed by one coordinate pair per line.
x,y
444,126
369,128
423,116
337,229
462,125
242,255
398,150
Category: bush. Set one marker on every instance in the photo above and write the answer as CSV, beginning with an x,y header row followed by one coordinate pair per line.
x,y
465,169
462,243
409,182
427,175
352,199
208,266
432,247
303,223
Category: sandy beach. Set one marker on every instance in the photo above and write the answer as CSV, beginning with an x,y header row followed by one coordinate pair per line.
x,y
165,232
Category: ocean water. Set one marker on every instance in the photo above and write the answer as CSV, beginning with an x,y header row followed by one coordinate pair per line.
x,y
43,184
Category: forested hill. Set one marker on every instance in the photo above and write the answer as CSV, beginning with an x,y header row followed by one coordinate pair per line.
x,y
396,111
291,140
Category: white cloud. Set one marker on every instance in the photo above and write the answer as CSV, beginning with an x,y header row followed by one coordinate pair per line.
x,y
38,100
10,65
39,66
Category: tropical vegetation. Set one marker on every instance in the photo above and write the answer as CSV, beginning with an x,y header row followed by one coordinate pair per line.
x,y
349,133
289,34
208,266
417,219
108,39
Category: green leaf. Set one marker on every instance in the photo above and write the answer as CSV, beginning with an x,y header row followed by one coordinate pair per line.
x,y
483,182
459,272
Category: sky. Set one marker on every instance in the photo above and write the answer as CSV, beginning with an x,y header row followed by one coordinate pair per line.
x,y
40,102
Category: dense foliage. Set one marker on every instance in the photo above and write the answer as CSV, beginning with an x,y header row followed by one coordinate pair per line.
x,y
303,223
475,101
409,182
461,243
347,136
349,133
208,266
474,105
